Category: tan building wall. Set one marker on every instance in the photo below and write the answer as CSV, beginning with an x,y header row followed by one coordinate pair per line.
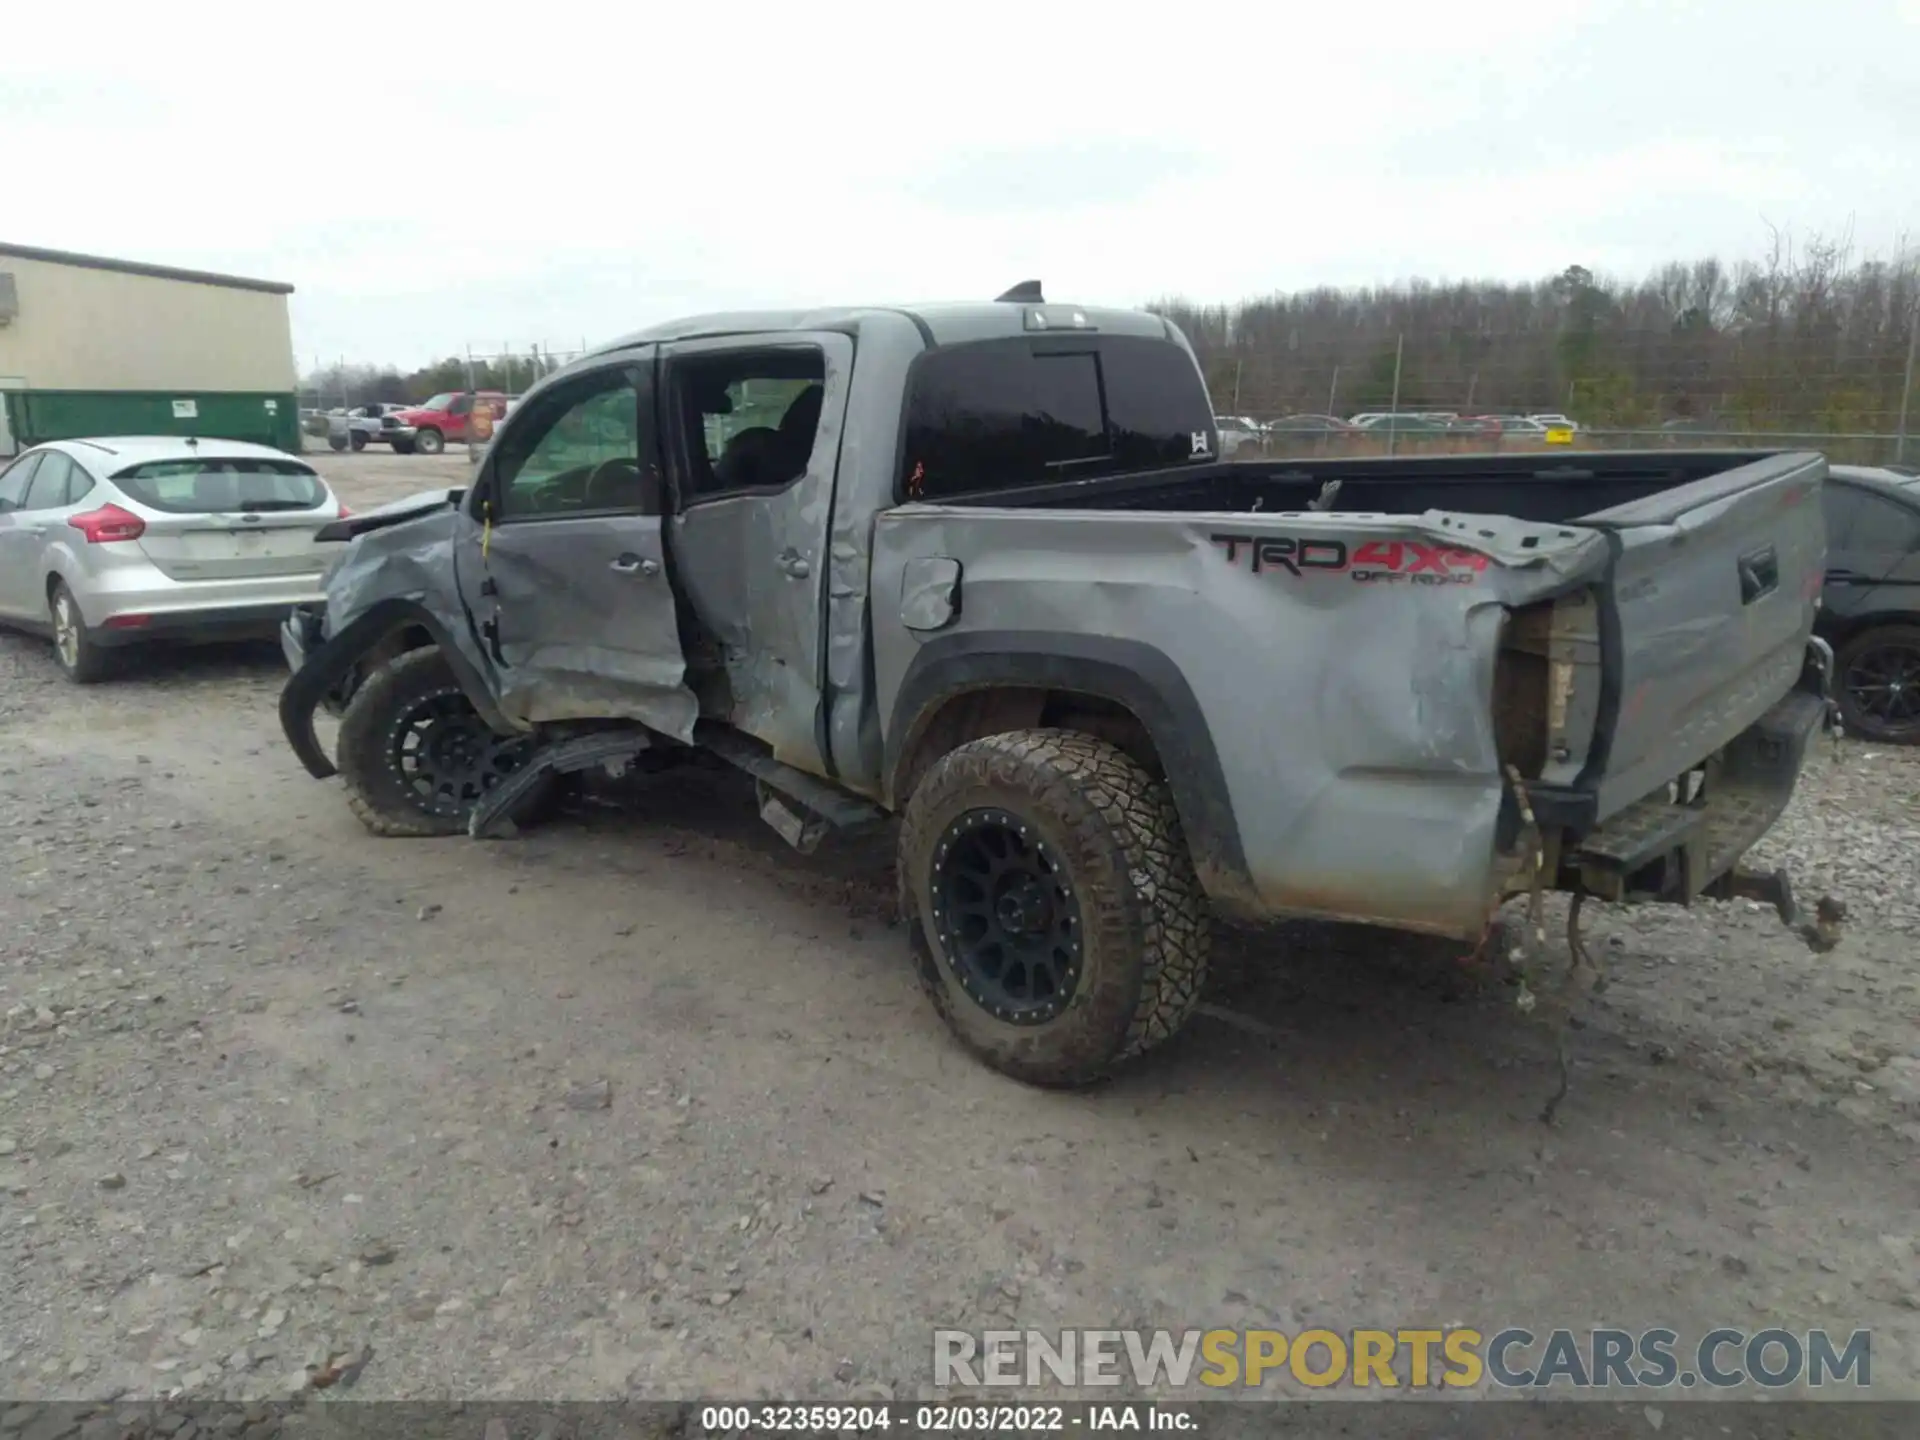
x,y
87,326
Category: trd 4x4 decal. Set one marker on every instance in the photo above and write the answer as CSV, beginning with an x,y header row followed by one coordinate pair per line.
x,y
1375,562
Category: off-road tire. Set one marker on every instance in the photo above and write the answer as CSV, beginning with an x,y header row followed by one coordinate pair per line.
x,y
89,663
376,792
1145,931
1856,721
429,441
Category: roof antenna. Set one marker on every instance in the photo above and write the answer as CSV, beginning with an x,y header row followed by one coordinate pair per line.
x,y
1027,292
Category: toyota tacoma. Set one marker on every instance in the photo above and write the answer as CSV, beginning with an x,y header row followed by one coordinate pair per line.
x,y
981,567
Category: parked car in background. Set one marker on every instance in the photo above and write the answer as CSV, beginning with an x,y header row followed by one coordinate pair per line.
x,y
1553,419
1486,426
1237,432
1870,604
1309,425
1499,427
1401,425
366,425
444,419
115,542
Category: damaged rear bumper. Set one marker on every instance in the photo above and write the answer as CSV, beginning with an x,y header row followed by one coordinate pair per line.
x,y
1678,848
1686,841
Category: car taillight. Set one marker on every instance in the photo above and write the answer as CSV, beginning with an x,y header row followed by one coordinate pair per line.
x,y
108,523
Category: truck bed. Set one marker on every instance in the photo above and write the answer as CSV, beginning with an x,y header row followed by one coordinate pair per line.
x,y
1541,488
1605,623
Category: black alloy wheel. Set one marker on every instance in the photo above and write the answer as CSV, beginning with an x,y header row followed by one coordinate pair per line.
x,y
1007,917
448,757
1880,684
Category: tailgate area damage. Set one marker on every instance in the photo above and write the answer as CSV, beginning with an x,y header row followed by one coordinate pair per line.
x,y
1685,843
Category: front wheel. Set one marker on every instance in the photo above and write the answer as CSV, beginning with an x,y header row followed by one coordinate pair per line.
x,y
1052,906
1879,684
429,441
358,439
415,754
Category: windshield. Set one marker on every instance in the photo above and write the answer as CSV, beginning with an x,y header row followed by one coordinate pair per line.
x,y
440,402
199,487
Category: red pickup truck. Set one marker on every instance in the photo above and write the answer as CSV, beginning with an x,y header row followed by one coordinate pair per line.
x,y
444,418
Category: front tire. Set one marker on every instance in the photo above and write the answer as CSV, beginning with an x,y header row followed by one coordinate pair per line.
x,y
82,661
1879,684
1051,903
402,445
429,441
358,440
417,757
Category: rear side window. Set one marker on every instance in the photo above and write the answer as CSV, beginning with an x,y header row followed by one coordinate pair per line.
x,y
57,483
198,487
1860,521
14,480
1003,414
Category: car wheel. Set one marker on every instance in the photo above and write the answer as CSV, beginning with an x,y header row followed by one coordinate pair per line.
x,y
429,441
83,661
1052,907
402,445
358,440
415,754
337,442
1879,684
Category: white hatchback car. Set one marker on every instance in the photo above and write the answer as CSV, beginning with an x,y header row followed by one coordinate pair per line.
x,y
112,542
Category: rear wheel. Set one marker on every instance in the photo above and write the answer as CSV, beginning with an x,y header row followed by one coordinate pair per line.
x,y
337,442
1051,903
358,439
417,757
83,661
1880,684
429,441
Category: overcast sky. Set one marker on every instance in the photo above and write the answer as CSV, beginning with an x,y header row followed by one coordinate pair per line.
x,y
433,178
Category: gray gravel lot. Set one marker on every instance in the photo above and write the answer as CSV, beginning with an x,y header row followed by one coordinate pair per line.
x,y
642,1104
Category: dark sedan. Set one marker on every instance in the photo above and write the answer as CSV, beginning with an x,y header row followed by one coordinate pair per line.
x,y
1870,607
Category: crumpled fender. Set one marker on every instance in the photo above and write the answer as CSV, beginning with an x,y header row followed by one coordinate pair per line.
x,y
326,666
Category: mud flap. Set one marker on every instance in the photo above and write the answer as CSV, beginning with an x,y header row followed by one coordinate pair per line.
x,y
612,749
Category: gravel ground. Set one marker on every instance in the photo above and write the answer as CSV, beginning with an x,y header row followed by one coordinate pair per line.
x,y
642,1104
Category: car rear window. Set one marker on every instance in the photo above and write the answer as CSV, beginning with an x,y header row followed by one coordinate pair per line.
x,y
198,487
1002,414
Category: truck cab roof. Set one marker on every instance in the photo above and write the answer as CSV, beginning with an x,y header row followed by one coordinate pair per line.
x,y
940,323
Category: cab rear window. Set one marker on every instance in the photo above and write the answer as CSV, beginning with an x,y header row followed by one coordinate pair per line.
x,y
1003,414
198,487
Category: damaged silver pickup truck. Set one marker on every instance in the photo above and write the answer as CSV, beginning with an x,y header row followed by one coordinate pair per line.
x,y
980,566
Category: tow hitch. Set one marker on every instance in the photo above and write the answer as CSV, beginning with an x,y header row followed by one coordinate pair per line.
x,y
1775,888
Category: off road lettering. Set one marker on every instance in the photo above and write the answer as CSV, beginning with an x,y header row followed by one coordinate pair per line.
x,y
1390,562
